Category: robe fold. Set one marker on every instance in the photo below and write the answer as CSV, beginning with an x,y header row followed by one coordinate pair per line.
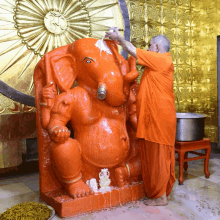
x,y
158,168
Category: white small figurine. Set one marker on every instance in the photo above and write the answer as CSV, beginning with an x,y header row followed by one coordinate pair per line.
x,y
92,184
104,180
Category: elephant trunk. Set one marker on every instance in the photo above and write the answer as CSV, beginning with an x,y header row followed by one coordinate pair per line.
x,y
111,92
128,79
101,92
117,92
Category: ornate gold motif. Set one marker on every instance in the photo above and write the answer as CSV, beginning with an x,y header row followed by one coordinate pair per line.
x,y
55,22
45,25
192,27
30,28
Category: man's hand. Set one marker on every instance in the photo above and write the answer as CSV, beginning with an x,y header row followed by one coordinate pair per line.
x,y
114,35
126,45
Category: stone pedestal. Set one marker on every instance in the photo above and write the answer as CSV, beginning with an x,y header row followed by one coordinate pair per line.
x,y
67,206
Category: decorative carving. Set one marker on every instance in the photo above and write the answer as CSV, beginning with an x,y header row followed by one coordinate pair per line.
x,y
55,22
104,180
93,184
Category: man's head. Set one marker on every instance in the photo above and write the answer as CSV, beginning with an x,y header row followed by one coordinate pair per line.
x,y
159,44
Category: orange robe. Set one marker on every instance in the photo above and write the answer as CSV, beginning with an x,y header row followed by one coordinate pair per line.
x,y
156,122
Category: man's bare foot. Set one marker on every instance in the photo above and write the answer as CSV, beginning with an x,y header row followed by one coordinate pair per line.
x,y
121,174
168,197
78,189
161,201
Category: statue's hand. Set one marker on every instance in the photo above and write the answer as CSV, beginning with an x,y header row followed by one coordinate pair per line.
x,y
48,92
132,63
59,133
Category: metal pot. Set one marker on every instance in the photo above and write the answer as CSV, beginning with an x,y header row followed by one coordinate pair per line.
x,y
190,126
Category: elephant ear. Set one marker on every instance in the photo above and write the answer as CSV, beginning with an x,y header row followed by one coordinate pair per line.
x,y
63,71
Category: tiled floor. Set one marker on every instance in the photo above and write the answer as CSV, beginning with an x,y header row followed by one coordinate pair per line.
x,y
198,198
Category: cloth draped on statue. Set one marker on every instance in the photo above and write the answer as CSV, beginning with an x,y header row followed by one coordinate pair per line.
x,y
156,122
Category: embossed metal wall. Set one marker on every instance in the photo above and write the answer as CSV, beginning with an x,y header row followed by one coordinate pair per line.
x,y
31,28
205,26
192,27
218,87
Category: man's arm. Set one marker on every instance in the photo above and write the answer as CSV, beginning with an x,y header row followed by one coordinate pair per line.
x,y
126,45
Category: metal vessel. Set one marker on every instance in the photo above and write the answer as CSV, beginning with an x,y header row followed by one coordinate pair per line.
x,y
189,126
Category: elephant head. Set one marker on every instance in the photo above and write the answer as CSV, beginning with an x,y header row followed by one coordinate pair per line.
x,y
106,75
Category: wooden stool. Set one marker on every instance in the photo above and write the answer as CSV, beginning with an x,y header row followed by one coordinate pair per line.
x,y
182,148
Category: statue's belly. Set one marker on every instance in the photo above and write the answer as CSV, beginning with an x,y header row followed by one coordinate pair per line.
x,y
105,144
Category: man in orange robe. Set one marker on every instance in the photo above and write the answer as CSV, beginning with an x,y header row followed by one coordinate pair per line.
x,y
156,114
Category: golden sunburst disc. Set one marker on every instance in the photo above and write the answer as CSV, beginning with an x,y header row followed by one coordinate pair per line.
x,y
30,28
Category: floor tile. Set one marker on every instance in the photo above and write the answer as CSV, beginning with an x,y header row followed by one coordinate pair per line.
x,y
9,180
197,199
133,210
192,181
14,190
214,186
215,161
202,203
31,180
196,168
212,178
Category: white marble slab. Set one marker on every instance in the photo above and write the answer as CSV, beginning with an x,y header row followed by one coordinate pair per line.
x,y
14,189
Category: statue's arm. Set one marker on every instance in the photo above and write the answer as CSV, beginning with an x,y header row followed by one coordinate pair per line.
x,y
131,107
47,100
59,116
45,116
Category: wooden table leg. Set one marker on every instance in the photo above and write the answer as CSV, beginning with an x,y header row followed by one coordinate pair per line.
x,y
206,162
186,163
181,163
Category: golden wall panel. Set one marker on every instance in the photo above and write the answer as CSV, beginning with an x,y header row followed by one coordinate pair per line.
x,y
191,25
169,15
137,12
205,19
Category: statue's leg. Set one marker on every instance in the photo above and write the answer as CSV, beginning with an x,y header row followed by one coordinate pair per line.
x,y
66,159
129,170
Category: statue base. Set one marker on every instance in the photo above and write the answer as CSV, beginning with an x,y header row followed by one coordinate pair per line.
x,y
105,189
67,206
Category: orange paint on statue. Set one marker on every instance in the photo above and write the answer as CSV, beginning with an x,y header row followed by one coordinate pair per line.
x,y
156,122
102,123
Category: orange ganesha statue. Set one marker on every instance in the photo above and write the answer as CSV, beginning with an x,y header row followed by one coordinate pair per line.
x,y
100,110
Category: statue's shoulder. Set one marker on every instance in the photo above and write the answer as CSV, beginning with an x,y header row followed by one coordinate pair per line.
x,y
66,96
74,97
78,90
